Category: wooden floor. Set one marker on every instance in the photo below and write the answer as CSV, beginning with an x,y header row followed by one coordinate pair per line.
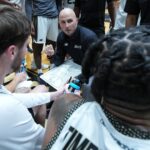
x,y
29,59
29,56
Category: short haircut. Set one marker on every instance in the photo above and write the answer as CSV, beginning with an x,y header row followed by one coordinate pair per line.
x,y
14,27
120,64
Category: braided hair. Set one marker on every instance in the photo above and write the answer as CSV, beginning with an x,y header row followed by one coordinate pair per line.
x,y
120,64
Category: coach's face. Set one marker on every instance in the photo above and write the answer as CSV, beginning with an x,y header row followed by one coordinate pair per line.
x,y
68,21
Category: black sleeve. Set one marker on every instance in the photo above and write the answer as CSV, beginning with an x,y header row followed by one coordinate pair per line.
x,y
132,7
60,54
89,40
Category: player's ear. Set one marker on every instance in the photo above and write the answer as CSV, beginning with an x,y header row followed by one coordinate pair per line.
x,y
11,52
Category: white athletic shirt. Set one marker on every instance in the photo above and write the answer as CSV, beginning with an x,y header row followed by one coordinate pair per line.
x,y
89,128
18,130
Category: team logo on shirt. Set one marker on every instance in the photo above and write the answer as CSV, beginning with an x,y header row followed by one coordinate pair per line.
x,y
78,46
66,44
75,140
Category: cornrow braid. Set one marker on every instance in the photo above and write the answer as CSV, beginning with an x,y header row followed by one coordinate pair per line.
x,y
122,65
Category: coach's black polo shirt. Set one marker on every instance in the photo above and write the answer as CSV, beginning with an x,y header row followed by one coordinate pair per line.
x,y
75,45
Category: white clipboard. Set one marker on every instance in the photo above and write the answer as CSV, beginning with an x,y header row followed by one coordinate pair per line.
x,y
58,76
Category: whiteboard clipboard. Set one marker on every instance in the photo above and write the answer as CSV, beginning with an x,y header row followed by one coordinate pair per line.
x,y
58,76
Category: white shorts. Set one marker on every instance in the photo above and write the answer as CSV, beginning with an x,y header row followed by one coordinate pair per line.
x,y
45,28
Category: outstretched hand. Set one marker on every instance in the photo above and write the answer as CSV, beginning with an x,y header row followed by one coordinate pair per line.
x,y
55,95
49,50
19,77
67,91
